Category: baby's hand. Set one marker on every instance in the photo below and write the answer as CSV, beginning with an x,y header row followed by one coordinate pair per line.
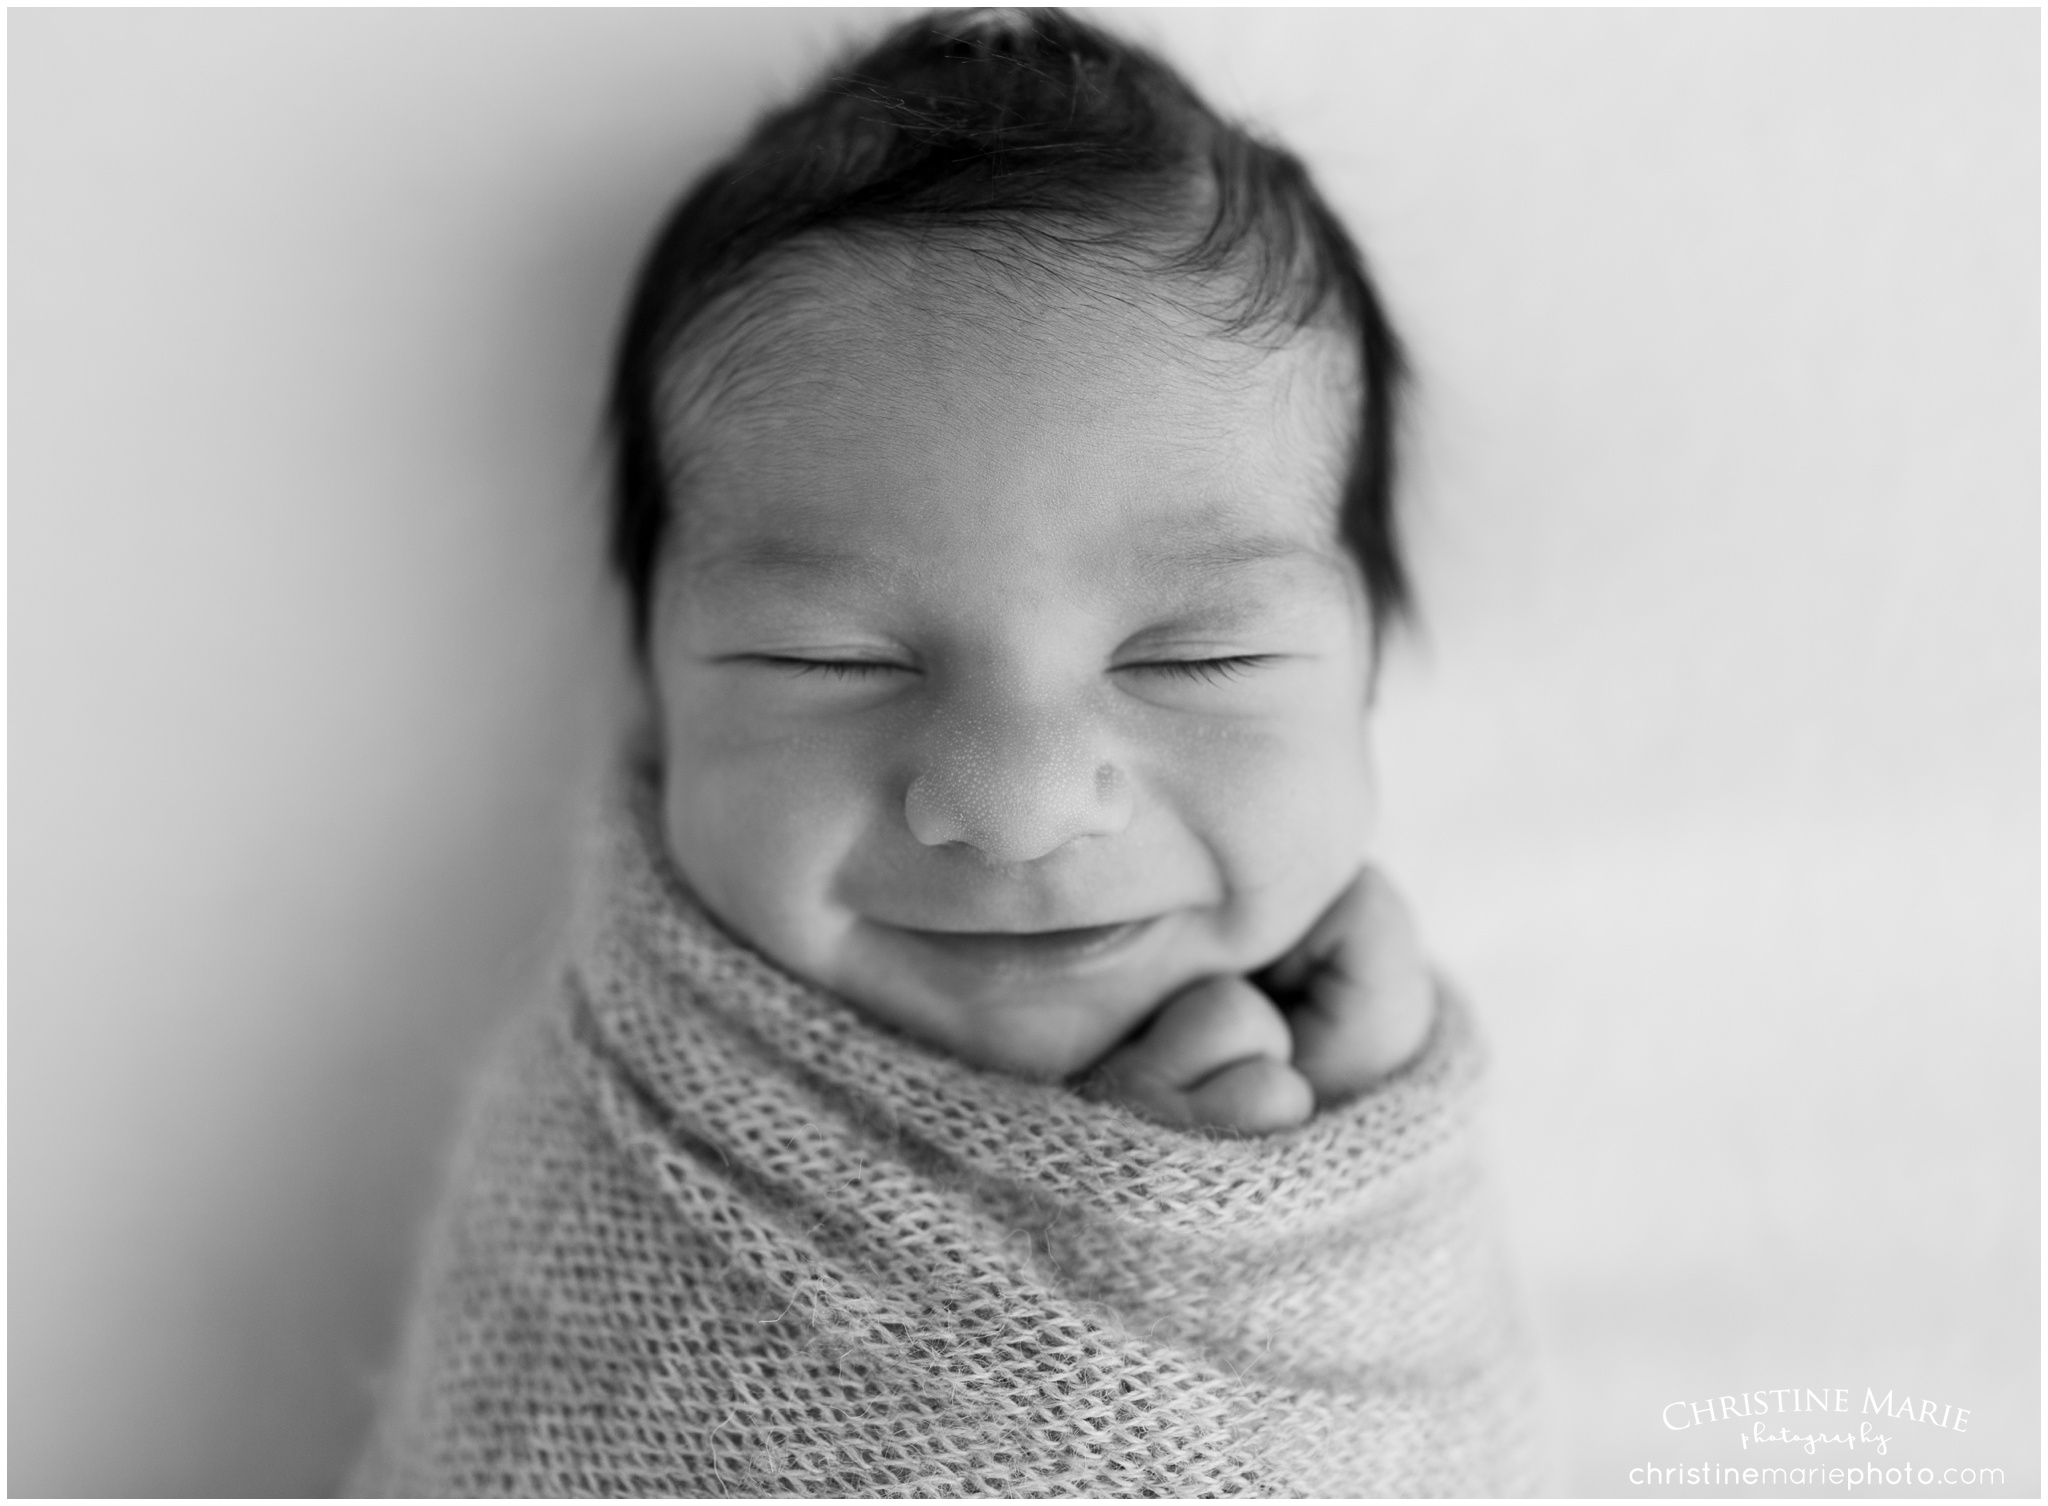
x,y
1355,1003
1356,992
1216,1055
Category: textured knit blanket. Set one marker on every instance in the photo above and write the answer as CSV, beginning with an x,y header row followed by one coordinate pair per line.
x,y
711,1232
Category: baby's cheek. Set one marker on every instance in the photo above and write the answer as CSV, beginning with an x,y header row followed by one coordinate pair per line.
x,y
760,830
1285,813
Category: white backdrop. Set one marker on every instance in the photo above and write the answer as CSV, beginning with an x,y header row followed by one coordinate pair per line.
x,y
1713,774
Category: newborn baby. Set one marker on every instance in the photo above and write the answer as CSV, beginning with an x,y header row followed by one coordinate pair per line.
x,y
1011,672
994,1068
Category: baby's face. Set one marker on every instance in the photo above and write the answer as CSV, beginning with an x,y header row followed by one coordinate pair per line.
x,y
1009,672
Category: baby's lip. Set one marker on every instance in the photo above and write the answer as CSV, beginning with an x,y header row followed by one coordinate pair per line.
x,y
1062,950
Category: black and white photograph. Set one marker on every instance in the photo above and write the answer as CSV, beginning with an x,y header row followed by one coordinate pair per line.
x,y
1013,752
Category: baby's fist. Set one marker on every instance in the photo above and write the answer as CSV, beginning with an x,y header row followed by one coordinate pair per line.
x,y
1356,992
1215,1056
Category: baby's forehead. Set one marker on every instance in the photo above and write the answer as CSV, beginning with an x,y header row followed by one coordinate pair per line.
x,y
891,428
840,345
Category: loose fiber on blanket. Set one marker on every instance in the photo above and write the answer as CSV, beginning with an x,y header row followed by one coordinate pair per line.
x,y
713,1233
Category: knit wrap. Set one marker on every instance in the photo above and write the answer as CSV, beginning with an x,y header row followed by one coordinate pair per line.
x,y
712,1232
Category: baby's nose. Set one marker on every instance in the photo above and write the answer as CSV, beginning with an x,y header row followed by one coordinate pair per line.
x,y
1017,791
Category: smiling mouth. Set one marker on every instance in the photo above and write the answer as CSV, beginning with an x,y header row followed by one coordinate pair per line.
x,y
1027,952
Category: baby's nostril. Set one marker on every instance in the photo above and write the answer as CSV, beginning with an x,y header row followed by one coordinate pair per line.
x,y
1017,804
931,820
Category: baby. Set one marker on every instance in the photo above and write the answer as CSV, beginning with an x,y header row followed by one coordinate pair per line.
x,y
993,1067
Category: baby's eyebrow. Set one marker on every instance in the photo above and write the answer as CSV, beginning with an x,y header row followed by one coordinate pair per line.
x,y
1200,553
1213,554
777,556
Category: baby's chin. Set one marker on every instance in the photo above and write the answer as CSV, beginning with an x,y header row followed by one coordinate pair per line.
x,y
1013,1030
1046,1006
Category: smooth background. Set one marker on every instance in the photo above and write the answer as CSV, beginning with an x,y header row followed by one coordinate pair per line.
x,y
1714,773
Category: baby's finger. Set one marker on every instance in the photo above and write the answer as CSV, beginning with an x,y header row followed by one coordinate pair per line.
x,y
1215,1055
1322,948
1367,1005
1254,1097
1210,1025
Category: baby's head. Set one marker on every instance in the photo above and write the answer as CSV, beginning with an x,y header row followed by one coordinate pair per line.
x,y
1004,455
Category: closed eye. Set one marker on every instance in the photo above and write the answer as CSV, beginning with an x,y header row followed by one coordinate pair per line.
x,y
1207,671
836,669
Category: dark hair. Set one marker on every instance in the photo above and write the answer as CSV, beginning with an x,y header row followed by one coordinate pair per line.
x,y
1044,139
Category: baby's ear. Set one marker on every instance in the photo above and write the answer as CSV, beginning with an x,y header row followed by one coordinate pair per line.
x,y
637,713
635,709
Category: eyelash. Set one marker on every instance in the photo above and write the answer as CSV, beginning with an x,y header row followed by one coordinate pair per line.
x,y
1207,671
837,669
